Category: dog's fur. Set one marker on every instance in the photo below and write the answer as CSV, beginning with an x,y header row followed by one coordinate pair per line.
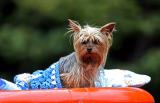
x,y
81,68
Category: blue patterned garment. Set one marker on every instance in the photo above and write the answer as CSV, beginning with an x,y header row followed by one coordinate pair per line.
x,y
40,79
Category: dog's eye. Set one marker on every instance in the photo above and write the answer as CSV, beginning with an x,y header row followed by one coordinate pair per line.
x,y
95,41
84,42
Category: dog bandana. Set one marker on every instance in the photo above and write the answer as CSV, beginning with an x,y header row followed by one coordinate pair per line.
x,y
50,78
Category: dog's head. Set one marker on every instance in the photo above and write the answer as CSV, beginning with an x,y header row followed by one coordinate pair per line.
x,y
91,44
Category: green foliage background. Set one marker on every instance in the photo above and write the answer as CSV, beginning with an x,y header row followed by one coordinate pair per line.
x,y
33,34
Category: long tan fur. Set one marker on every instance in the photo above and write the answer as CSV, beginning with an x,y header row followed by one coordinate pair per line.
x,y
81,68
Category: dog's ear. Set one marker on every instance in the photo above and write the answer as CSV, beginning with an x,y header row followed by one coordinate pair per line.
x,y
108,28
74,26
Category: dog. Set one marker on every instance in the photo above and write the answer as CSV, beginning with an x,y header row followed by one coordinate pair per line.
x,y
91,46
82,68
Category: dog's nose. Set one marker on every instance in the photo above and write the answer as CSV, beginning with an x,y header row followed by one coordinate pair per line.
x,y
89,49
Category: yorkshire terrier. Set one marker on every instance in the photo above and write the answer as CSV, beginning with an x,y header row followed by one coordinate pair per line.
x,y
82,68
91,45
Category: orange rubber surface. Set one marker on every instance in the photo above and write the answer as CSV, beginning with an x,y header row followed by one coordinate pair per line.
x,y
78,95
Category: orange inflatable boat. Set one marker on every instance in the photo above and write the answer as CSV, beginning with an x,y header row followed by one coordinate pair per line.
x,y
78,95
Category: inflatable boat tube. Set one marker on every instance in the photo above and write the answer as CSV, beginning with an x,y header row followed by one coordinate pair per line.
x,y
78,95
